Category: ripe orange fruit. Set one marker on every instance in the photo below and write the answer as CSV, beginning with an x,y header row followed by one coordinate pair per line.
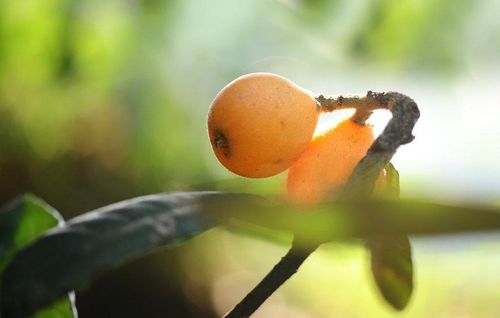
x,y
260,123
328,162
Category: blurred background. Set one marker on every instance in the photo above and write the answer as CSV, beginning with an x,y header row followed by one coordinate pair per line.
x,y
106,100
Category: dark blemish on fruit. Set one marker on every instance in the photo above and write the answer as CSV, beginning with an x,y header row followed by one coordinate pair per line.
x,y
278,162
282,123
241,97
221,143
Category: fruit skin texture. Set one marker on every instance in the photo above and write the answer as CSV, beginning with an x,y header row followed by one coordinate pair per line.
x,y
328,162
260,123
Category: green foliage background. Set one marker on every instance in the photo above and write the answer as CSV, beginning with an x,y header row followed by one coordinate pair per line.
x,y
105,100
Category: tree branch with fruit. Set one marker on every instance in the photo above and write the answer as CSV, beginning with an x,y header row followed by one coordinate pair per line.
x,y
340,186
345,160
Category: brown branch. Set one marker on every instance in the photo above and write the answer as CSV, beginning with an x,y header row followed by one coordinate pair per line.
x,y
281,272
397,132
364,105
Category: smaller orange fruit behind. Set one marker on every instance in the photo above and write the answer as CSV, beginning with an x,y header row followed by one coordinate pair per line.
x,y
260,123
328,162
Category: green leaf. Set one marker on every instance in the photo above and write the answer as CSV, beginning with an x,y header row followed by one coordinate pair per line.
x,y
391,259
392,268
62,308
21,221
107,237
67,257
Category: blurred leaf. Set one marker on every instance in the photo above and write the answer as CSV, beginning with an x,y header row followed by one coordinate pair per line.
x,y
260,232
392,181
391,261
21,222
67,257
109,236
392,268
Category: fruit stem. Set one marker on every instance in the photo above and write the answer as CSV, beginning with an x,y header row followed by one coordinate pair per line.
x,y
397,132
364,105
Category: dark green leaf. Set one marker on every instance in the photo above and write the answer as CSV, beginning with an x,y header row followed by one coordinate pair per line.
x,y
391,259
21,221
66,258
392,268
104,238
